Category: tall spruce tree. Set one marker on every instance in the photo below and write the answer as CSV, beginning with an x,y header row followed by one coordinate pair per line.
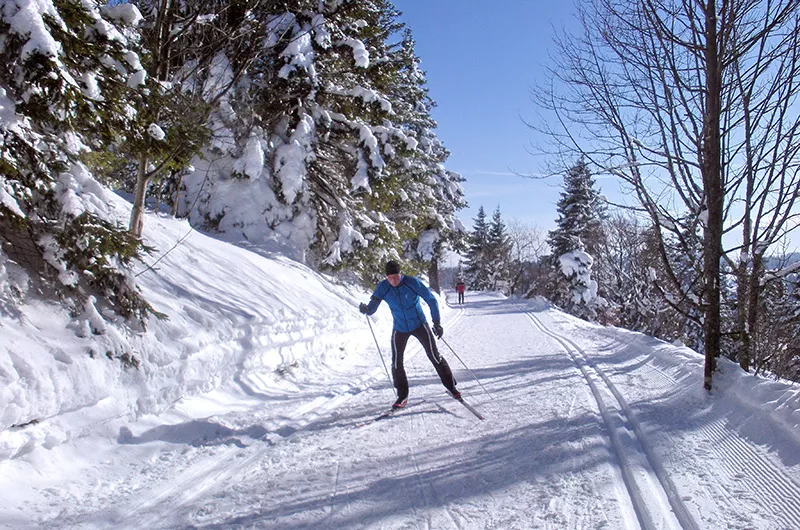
x,y
498,256
425,195
477,270
578,228
580,213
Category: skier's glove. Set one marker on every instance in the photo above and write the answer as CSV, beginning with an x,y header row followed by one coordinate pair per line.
x,y
363,308
437,330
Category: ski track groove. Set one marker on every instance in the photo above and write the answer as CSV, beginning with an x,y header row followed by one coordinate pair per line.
x,y
422,489
770,487
424,486
179,493
673,511
335,487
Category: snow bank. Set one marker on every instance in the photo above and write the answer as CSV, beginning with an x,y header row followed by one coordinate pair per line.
x,y
758,405
233,317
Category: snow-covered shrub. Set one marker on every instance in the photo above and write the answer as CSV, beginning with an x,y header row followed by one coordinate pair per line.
x,y
583,301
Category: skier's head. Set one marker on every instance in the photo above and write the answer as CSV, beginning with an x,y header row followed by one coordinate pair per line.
x,y
392,270
392,267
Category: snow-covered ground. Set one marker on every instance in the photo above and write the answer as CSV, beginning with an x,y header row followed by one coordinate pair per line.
x,y
246,411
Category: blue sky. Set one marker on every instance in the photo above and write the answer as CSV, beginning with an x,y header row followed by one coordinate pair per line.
x,y
481,58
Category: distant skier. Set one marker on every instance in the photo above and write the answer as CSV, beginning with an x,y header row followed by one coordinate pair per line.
x,y
402,294
460,290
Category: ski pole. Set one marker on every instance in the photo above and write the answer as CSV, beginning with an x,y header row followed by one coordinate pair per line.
x,y
467,367
380,354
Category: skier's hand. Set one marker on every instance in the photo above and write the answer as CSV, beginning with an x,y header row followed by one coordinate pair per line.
x,y
363,308
437,330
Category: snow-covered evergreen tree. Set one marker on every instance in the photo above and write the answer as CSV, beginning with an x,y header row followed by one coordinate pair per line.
x,y
194,53
330,147
426,196
582,299
580,213
67,74
578,229
498,253
777,337
477,269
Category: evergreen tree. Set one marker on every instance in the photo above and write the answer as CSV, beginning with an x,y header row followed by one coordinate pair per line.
x,y
580,213
424,210
578,229
777,343
477,270
331,142
194,53
498,252
581,297
66,79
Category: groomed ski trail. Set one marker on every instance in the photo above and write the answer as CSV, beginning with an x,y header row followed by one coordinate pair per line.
x,y
653,495
574,438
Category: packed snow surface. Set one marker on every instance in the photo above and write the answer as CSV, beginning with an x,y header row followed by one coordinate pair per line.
x,y
252,408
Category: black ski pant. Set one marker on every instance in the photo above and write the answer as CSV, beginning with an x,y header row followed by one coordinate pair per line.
x,y
425,337
460,298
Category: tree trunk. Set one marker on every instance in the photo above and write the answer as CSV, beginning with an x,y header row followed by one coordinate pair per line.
x,y
742,306
137,213
754,297
714,195
433,274
177,199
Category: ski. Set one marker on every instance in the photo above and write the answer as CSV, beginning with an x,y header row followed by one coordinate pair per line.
x,y
389,413
379,417
470,408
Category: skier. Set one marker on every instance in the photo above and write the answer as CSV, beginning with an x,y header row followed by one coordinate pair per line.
x,y
460,290
402,294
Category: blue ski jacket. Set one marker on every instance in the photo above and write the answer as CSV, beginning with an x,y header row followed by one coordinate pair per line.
x,y
404,303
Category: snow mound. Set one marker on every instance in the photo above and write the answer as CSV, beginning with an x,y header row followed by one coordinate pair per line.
x,y
232,318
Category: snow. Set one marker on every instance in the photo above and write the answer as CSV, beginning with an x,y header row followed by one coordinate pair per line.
x,y
90,88
371,142
137,78
26,19
79,192
426,245
360,52
367,95
290,158
242,412
156,132
361,178
128,14
299,54
251,163
9,119
578,264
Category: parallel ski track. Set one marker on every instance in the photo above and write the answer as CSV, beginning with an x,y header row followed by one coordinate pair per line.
x,y
638,477
769,488
427,485
155,507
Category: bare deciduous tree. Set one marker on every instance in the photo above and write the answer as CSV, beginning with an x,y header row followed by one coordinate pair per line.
x,y
652,91
528,245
